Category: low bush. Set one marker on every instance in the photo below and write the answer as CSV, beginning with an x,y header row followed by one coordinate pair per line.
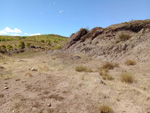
x,y
130,62
105,109
127,77
9,47
28,44
83,69
104,73
21,45
123,37
109,66
43,41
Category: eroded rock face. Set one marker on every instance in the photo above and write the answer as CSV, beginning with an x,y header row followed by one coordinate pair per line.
x,y
75,37
102,43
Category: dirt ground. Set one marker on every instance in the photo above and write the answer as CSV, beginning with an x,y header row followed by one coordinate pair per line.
x,y
49,83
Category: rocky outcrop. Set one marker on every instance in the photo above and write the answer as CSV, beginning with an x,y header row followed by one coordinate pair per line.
x,y
75,37
102,43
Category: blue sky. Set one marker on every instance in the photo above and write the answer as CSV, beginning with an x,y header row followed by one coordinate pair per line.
x,y
63,17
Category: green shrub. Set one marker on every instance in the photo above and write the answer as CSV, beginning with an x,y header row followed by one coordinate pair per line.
x,y
105,109
3,49
28,44
49,42
43,41
127,77
130,62
3,46
9,47
56,47
21,45
55,41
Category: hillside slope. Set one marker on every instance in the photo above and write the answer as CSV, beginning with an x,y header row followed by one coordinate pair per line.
x,y
11,44
128,40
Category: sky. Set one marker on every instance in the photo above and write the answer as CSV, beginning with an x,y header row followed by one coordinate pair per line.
x,y
64,17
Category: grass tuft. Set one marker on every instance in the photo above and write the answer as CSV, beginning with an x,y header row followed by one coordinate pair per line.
x,y
109,66
83,69
127,77
130,62
105,109
123,37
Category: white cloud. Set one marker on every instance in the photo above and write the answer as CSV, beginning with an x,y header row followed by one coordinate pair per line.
x,y
35,34
25,33
15,30
8,30
15,34
3,32
61,11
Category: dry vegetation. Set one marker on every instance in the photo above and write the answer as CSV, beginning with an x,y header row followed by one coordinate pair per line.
x,y
105,109
104,70
130,62
109,66
127,77
83,69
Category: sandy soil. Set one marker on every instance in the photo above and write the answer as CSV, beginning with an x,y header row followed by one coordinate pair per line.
x,y
49,83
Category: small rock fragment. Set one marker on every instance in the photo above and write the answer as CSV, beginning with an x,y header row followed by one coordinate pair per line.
x,y
6,87
33,69
49,105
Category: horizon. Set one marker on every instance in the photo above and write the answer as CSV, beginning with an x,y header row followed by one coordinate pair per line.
x,y
43,17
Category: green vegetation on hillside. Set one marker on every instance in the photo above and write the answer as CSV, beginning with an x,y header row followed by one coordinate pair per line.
x,y
47,42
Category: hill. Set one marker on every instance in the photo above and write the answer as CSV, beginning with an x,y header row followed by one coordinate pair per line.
x,y
96,71
114,43
12,44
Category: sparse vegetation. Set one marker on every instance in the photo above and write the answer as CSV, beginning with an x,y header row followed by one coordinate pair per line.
x,y
130,62
51,42
109,66
21,45
28,74
83,69
104,73
28,44
127,77
9,47
56,47
105,109
123,37
43,41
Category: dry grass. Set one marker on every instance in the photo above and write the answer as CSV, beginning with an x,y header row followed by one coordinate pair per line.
x,y
83,69
56,97
123,37
105,109
28,74
130,62
109,66
127,77
104,74
103,70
